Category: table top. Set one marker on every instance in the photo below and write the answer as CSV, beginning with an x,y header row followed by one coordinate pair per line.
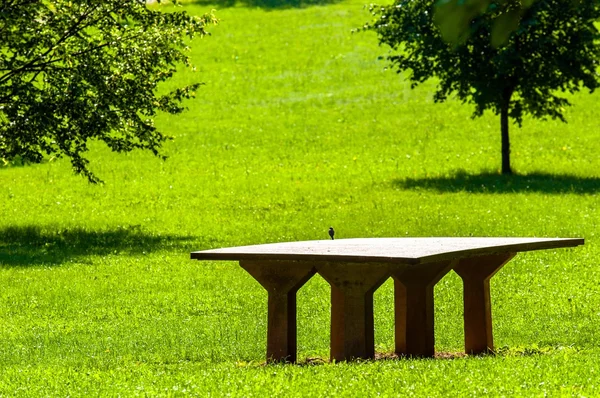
x,y
386,250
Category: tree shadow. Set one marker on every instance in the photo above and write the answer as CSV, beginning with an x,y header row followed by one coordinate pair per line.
x,y
264,4
492,183
18,162
34,245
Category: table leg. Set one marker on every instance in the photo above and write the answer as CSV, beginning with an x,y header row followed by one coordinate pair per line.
x,y
281,280
414,310
476,273
352,288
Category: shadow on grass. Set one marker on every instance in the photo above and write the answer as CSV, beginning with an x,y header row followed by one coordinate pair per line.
x,y
264,4
499,184
18,162
505,351
33,245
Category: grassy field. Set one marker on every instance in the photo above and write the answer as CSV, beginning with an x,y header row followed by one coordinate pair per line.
x,y
299,127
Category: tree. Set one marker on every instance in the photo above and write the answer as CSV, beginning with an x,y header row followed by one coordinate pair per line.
x,y
75,71
554,49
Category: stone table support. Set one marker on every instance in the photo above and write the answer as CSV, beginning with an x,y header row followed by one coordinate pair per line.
x,y
476,273
414,310
352,288
281,279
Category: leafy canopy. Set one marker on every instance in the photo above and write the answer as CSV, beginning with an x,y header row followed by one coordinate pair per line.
x,y
454,17
80,70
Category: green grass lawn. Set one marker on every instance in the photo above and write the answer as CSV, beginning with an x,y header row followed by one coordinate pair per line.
x,y
299,127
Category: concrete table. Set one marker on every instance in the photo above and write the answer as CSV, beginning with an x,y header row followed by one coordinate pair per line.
x,y
355,268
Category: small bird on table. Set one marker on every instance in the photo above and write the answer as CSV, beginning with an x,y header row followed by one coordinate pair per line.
x,y
331,232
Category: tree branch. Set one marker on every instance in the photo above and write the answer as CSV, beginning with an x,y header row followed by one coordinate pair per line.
x,y
66,35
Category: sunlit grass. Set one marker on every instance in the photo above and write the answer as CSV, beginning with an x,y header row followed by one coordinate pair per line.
x,y
299,127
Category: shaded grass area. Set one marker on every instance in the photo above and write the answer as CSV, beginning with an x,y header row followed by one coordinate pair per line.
x,y
494,183
54,245
519,351
17,162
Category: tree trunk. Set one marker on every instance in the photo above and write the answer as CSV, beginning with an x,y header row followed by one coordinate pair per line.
x,y
506,95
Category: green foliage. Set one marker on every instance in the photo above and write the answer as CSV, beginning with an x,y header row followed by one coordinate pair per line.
x,y
79,70
454,17
555,48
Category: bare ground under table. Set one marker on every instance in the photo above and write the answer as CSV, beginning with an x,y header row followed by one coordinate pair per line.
x,y
355,268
